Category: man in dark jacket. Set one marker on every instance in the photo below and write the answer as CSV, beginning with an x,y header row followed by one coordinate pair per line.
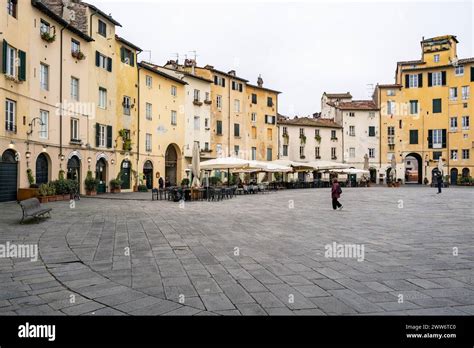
x,y
336,194
439,180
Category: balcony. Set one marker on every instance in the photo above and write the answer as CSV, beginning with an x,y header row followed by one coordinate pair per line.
x,y
334,138
75,142
334,158
197,102
78,55
208,102
10,127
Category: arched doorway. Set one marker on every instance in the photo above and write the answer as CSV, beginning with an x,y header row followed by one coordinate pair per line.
x,y
373,175
8,176
101,175
125,169
171,165
42,169
413,169
148,173
74,170
454,176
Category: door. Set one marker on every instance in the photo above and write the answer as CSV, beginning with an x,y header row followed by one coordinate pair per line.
x,y
454,176
101,175
171,164
125,177
8,176
74,170
42,170
148,173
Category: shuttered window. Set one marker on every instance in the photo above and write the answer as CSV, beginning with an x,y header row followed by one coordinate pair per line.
x,y
437,106
414,136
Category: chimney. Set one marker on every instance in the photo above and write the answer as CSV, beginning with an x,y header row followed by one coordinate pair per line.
x,y
209,67
232,72
260,81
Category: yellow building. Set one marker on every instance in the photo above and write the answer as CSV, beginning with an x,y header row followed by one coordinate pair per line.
x,y
425,114
162,125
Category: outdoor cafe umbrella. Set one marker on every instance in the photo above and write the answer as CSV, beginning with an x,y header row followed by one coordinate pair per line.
x,y
366,162
196,166
225,163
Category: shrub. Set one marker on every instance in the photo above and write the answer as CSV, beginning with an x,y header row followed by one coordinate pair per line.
x,y
43,190
91,183
72,186
142,188
185,182
61,175
115,183
214,180
31,178
61,186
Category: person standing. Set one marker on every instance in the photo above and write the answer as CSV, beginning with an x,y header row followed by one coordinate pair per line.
x,y
336,192
439,180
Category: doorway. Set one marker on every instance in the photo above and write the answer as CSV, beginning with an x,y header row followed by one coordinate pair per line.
x,y
454,176
42,169
101,175
74,171
125,169
171,165
413,169
8,176
148,174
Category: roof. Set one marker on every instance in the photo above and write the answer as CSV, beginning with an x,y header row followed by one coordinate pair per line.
x,y
439,38
308,121
392,85
128,43
149,67
338,95
411,62
103,14
186,74
45,9
357,105
466,60
264,88
223,73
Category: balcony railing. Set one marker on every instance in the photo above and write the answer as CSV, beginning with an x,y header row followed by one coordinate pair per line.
x,y
10,127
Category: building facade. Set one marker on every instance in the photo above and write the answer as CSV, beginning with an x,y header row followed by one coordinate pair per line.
x,y
328,100
426,114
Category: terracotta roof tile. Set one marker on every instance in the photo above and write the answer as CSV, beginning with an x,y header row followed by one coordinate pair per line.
x,y
308,121
357,105
338,95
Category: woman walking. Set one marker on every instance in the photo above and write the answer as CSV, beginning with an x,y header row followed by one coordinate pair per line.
x,y
336,194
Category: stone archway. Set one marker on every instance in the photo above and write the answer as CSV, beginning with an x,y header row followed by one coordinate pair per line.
x,y
413,168
42,169
101,175
148,174
8,176
454,176
171,165
74,170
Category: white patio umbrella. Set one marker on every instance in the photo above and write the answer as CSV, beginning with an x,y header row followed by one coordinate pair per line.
x,y
350,171
269,167
196,166
225,163
327,165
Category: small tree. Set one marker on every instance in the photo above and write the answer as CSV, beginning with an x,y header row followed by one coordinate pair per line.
x,y
91,183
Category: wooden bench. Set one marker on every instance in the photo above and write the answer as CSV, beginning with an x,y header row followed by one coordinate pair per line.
x,y
33,208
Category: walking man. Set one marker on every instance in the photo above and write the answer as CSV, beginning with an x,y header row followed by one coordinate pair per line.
x,y
336,194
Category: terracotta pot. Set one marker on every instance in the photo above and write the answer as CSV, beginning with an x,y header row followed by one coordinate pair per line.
x,y
91,193
43,199
26,193
51,198
115,190
59,197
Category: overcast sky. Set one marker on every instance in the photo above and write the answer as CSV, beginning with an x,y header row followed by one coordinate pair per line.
x,y
300,48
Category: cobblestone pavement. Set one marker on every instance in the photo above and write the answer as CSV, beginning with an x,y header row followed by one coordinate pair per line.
x,y
252,255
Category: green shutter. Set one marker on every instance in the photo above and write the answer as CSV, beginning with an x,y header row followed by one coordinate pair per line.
x,y
430,139
22,72
4,57
97,135
132,59
122,54
443,78
407,81
430,79
109,64
443,139
109,136
97,58
420,80
472,73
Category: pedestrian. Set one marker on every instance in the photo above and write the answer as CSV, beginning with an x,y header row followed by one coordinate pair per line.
x,y
161,183
336,194
439,180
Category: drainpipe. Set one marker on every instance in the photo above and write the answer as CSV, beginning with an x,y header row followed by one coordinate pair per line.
x,y
379,102
61,104
138,111
229,118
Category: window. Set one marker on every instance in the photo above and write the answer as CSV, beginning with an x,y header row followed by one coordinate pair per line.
x,y
352,152
436,58
254,117
44,118
413,81
454,155
254,153
269,154
269,102
465,122
10,115
206,146
465,154
371,114
149,81
371,131
301,131
285,130
174,118
206,123
197,95
174,91
149,111
333,153
102,30
351,114
102,133
219,102
148,142
11,61
302,152
237,86
285,150
453,93
236,130
390,92
453,123
465,92
317,154
219,81
127,105
45,27
390,107
219,149
254,98
127,56
269,119
254,132
437,155
75,46
316,133
219,127
436,106
12,7
437,138
237,105
371,153
333,135
413,136
413,107
44,77
208,96
352,131
102,98
269,134
74,89
459,70
391,136
436,79
236,150
197,123
102,61
74,129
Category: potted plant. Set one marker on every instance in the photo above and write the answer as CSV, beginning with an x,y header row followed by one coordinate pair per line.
x,y
115,185
303,138
43,193
48,37
142,188
91,184
317,138
51,192
78,55
31,191
185,182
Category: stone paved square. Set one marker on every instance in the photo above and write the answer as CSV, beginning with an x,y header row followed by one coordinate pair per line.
x,y
250,255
